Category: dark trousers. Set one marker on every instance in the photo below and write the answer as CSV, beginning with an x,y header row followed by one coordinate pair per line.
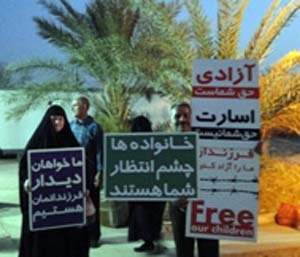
x,y
145,220
94,229
185,245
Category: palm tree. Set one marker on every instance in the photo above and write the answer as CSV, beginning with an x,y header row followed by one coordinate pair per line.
x,y
127,50
117,45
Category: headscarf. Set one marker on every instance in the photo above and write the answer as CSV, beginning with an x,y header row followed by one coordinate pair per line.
x,y
141,124
43,137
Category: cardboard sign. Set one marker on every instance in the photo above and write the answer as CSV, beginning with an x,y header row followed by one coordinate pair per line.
x,y
225,113
225,101
150,166
57,197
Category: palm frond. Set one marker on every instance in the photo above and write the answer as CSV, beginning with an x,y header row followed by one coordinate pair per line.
x,y
5,77
263,43
113,107
236,25
280,85
130,21
248,53
67,16
34,65
230,14
56,35
201,29
225,46
34,94
73,24
76,15
286,63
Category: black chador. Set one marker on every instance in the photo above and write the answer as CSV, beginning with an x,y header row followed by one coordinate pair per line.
x,y
63,242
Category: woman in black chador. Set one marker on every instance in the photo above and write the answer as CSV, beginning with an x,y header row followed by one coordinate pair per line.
x,y
53,132
145,218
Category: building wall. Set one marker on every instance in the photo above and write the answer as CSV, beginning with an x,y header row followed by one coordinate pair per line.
x,y
14,134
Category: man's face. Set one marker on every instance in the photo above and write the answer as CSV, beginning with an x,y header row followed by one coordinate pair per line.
x,y
79,108
183,118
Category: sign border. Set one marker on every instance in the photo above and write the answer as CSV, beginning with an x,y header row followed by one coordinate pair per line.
x,y
67,149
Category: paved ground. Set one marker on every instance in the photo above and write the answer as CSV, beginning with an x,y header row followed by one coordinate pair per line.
x,y
273,240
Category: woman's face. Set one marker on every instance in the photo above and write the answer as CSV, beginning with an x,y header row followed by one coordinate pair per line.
x,y
58,122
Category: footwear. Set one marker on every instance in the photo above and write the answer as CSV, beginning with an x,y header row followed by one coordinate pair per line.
x,y
145,247
159,249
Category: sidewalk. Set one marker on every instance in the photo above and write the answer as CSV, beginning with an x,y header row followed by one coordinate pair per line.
x,y
113,241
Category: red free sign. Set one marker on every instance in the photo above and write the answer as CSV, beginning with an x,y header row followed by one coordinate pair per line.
x,y
214,221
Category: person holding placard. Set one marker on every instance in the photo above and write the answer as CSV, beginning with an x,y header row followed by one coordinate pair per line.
x,y
145,218
52,132
185,245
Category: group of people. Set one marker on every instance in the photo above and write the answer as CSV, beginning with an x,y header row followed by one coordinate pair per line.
x,y
145,218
